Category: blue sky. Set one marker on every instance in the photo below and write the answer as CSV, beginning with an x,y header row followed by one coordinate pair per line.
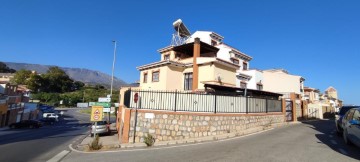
x,y
319,40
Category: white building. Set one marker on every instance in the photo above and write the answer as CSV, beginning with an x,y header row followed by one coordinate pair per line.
x,y
244,78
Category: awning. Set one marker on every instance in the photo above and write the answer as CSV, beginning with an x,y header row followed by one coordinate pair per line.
x,y
221,89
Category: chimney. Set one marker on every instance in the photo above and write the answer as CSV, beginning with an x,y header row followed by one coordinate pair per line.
x,y
195,65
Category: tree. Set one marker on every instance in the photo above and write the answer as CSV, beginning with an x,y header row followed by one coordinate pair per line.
x,y
58,80
35,83
21,76
78,85
5,69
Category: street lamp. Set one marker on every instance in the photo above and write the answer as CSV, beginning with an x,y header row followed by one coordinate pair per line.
x,y
112,75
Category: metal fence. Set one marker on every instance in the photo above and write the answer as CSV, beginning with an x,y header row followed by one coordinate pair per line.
x,y
194,102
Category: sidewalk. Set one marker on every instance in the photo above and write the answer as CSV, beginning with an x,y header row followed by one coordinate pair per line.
x,y
108,142
112,142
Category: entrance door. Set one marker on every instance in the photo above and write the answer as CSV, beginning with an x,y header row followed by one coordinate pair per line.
x,y
289,108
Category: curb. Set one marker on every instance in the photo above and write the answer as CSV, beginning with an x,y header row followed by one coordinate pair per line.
x,y
184,142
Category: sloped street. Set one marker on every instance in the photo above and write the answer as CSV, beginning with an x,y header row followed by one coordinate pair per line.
x,y
311,141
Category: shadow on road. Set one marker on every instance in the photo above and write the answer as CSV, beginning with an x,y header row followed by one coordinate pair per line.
x,y
60,129
329,137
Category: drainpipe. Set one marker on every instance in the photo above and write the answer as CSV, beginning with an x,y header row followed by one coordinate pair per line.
x,y
195,65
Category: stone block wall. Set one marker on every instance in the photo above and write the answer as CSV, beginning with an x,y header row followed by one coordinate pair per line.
x,y
167,126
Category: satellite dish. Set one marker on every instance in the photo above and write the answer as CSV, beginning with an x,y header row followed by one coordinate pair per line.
x,y
181,33
180,27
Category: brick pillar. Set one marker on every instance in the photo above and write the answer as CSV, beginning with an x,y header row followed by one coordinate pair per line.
x,y
305,109
284,108
195,65
293,99
126,126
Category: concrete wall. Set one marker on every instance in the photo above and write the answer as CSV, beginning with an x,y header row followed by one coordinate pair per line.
x,y
227,74
315,111
281,82
166,126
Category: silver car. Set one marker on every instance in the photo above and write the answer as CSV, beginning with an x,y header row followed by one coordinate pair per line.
x,y
102,127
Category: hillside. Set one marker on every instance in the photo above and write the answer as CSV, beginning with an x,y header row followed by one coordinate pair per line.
x,y
87,76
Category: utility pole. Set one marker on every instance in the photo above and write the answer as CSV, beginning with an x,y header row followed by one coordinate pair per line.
x,y
112,75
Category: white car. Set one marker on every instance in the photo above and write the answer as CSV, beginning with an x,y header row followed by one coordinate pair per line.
x,y
50,115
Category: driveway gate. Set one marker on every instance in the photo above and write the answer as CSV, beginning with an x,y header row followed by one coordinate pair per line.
x,y
289,113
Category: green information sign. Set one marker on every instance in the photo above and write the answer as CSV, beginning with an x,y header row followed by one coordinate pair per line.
x,y
103,104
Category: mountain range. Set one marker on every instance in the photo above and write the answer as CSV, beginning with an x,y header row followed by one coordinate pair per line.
x,y
90,77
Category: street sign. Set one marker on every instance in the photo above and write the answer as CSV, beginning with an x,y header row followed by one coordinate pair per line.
x,y
136,97
103,104
106,110
104,99
96,113
91,104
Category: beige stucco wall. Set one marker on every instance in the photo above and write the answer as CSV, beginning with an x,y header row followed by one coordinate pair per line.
x,y
281,82
333,94
172,78
150,85
206,73
175,78
227,74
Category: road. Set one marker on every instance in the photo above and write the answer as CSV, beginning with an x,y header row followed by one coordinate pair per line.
x,y
314,141
44,143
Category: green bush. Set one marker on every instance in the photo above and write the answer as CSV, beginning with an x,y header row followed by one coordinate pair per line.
x,y
95,144
149,140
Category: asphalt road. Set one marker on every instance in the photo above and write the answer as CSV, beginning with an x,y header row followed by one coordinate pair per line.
x,y
313,141
44,143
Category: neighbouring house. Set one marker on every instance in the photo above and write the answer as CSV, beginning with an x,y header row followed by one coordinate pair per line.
x,y
15,106
26,93
5,77
3,109
187,67
291,86
331,92
280,81
312,95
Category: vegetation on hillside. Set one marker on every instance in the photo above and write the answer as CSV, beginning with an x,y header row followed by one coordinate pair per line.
x,y
56,86
5,69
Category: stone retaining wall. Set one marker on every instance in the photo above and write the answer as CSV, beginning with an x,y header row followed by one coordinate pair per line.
x,y
167,126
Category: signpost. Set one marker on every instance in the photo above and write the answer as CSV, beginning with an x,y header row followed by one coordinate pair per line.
x,y
104,99
106,109
96,115
103,104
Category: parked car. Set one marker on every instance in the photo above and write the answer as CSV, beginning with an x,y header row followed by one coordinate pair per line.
x,y
339,116
50,115
26,124
102,127
351,126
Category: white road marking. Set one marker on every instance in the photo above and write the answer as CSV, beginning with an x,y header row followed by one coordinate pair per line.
x,y
333,142
343,151
59,156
